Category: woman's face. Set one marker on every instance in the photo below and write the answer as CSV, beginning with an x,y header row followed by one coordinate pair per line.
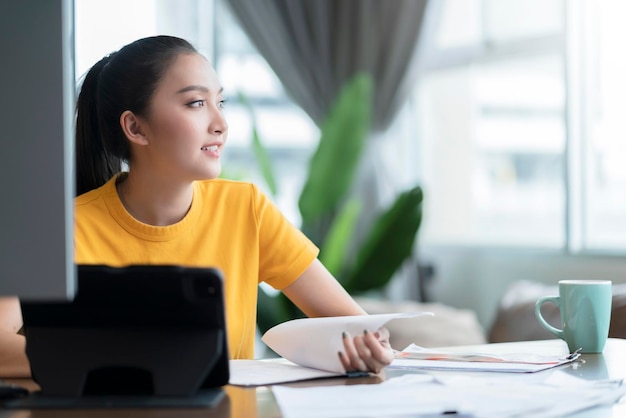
x,y
185,129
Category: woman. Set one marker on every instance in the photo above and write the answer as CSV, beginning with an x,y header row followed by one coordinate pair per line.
x,y
156,106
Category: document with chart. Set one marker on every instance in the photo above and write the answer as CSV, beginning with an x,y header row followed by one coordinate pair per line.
x,y
416,357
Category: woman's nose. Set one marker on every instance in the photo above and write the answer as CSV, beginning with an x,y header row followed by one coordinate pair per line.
x,y
218,123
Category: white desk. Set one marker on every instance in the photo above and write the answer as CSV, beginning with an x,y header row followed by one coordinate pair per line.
x,y
260,403
611,364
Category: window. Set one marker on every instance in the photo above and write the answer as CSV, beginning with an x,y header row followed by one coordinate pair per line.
x,y
102,27
520,123
602,63
495,161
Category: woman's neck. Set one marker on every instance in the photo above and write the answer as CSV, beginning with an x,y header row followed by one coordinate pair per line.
x,y
154,202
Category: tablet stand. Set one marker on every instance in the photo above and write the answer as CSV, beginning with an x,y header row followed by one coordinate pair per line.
x,y
133,337
119,362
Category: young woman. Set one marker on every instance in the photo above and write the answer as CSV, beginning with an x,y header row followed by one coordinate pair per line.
x,y
156,107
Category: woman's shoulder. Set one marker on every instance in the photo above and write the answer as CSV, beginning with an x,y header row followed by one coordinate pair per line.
x,y
87,198
95,196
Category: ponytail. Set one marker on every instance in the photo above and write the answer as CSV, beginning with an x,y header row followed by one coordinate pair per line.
x,y
94,164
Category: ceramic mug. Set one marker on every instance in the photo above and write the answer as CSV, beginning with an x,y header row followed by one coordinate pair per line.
x,y
585,307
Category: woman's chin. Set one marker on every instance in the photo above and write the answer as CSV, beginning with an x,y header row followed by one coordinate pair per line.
x,y
212,173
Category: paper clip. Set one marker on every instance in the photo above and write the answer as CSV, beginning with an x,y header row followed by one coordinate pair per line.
x,y
574,354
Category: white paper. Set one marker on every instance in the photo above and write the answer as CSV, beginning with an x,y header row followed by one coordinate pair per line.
x,y
471,366
415,357
416,352
315,342
361,401
503,396
271,371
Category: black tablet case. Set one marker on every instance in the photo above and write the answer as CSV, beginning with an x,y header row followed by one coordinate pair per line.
x,y
139,330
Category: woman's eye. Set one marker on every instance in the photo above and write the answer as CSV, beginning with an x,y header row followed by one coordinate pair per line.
x,y
197,103
221,104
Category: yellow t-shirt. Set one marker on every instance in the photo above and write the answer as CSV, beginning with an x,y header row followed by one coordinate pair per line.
x,y
231,225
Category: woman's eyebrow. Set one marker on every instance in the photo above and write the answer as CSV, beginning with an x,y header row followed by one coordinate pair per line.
x,y
193,88
197,88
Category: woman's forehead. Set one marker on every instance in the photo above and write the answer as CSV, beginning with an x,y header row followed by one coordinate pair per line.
x,y
190,70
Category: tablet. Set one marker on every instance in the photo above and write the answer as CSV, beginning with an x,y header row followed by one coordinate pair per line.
x,y
142,330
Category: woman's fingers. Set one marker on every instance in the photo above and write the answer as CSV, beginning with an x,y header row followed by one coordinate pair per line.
x,y
380,347
383,335
363,344
376,353
367,352
344,356
354,360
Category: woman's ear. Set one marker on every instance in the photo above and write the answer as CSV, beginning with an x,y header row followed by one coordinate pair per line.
x,y
131,125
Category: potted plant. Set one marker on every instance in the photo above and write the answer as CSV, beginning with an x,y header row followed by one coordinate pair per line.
x,y
330,213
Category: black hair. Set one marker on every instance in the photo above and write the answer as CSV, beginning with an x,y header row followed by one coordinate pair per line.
x,y
123,80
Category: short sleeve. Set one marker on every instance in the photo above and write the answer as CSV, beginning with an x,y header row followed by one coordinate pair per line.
x,y
284,251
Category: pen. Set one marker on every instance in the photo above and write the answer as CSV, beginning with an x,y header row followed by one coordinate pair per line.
x,y
357,374
574,354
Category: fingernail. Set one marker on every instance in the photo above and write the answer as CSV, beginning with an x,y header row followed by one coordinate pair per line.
x,y
365,332
340,353
344,335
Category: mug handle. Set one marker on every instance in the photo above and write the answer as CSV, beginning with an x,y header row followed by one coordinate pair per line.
x,y
557,301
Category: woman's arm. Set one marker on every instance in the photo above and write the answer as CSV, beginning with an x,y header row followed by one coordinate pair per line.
x,y
13,360
317,293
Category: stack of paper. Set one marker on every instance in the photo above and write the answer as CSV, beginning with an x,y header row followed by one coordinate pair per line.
x,y
415,357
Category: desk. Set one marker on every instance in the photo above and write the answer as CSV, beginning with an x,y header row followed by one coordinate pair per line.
x,y
259,402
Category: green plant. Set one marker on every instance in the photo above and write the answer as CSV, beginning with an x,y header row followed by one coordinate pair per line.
x,y
329,213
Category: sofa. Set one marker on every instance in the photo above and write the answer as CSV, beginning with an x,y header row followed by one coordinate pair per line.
x,y
515,319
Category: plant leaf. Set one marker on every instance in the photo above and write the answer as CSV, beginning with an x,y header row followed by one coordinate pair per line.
x,y
335,246
332,168
389,243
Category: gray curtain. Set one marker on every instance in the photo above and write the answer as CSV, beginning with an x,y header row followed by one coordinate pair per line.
x,y
314,46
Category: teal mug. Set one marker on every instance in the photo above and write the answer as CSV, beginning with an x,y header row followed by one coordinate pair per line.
x,y
585,307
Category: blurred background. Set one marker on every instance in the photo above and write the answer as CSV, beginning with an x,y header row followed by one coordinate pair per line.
x,y
511,121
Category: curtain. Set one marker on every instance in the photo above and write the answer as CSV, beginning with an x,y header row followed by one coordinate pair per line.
x,y
314,46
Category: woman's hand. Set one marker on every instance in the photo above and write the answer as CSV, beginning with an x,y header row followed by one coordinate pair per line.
x,y
318,294
369,352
